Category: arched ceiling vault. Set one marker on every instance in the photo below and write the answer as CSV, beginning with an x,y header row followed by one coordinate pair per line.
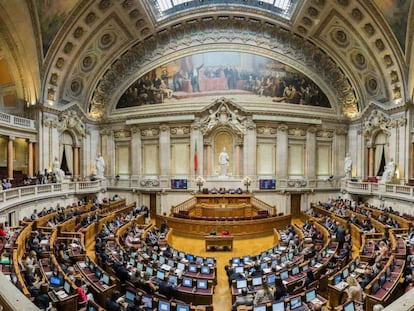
x,y
345,46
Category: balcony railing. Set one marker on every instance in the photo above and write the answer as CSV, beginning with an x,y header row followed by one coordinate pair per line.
x,y
17,121
9,198
389,190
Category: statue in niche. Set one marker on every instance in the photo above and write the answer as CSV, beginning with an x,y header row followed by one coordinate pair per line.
x,y
348,166
223,162
100,166
389,172
59,173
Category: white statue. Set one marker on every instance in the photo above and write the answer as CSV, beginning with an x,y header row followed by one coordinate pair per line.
x,y
224,162
100,166
389,172
348,166
59,173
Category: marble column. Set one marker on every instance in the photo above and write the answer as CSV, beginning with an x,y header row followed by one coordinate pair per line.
x,y
76,161
30,159
165,151
311,152
339,152
10,156
208,162
237,168
196,138
250,149
282,152
136,153
371,165
108,151
402,150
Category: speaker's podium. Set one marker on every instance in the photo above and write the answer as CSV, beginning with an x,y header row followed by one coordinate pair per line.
x,y
218,242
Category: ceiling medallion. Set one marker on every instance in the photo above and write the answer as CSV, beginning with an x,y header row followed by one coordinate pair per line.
x,y
371,85
106,41
90,18
76,86
340,38
357,15
88,63
359,60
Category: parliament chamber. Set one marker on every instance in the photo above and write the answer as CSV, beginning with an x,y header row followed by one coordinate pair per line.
x,y
189,155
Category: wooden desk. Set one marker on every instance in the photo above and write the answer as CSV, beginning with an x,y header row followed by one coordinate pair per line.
x,y
214,242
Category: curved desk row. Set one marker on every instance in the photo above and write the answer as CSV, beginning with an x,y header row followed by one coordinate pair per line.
x,y
238,228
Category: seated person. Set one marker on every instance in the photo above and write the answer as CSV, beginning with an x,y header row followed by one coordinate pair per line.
x,y
213,232
243,300
225,232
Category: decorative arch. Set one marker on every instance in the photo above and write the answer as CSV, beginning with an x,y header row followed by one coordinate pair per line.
x,y
275,43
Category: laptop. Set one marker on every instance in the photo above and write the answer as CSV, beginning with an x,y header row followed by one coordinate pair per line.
x,y
295,304
310,297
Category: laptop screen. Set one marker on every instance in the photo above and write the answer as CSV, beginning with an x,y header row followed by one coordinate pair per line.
x,y
160,274
205,270
349,306
257,281
147,300
241,284
55,281
201,284
130,296
260,308
181,307
295,302
271,278
278,306
284,275
192,268
164,305
310,295
187,282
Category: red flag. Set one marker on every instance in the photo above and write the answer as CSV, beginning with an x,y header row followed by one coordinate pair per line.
x,y
195,158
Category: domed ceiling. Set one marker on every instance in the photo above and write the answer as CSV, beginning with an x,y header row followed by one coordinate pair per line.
x,y
95,52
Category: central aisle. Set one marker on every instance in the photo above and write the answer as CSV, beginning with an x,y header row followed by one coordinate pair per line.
x,y
222,294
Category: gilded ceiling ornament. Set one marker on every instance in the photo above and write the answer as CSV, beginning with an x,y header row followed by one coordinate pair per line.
x,y
76,86
394,76
53,78
380,45
104,4
106,41
68,47
357,15
388,60
313,12
369,29
78,32
134,14
90,18
60,62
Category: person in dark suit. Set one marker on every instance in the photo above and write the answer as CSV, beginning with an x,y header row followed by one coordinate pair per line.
x,y
340,236
111,304
194,75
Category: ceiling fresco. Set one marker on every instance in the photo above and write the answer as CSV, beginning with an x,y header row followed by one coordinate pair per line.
x,y
396,13
52,14
225,73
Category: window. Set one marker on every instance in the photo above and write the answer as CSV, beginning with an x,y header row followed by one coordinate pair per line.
x,y
283,8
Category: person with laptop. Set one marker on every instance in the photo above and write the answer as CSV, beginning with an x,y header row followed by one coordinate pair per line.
x,y
355,292
243,300
263,295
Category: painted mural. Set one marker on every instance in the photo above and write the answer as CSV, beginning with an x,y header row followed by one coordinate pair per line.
x,y
221,73
52,14
396,13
